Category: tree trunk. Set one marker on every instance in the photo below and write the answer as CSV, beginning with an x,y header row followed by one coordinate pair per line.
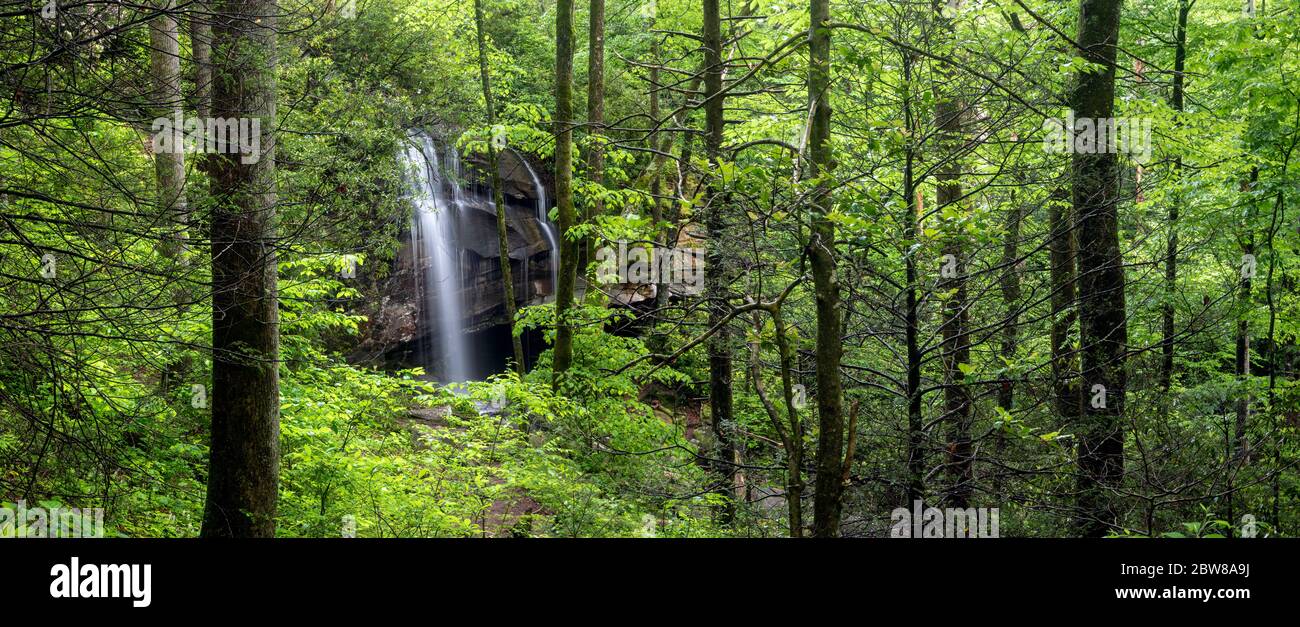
x,y
563,353
201,47
792,437
498,197
168,103
595,119
716,273
952,284
912,314
794,452
821,254
245,454
1009,284
1103,329
1238,453
1240,445
1062,251
1171,251
1279,210
656,174
201,53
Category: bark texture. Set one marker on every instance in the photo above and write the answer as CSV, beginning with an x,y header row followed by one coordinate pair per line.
x,y
245,458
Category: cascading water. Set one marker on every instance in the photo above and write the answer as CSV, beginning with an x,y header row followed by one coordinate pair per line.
x,y
544,222
438,255
446,208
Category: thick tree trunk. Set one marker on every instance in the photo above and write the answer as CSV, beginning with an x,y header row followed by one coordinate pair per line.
x,y
498,196
245,454
168,103
821,254
1102,322
563,352
717,262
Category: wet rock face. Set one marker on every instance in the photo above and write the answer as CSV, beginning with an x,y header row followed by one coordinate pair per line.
x,y
516,182
396,335
483,293
390,337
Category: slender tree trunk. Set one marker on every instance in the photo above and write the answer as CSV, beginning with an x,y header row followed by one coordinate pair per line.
x,y
1009,283
794,451
595,118
952,284
717,263
1103,328
792,437
821,253
1278,217
657,168
1062,252
498,197
201,53
1171,251
168,103
688,139
912,314
563,353
1240,444
1238,452
245,454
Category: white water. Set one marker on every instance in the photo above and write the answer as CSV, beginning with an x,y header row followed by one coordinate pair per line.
x,y
438,255
439,197
544,222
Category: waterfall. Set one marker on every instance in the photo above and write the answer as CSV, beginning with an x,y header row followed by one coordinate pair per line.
x,y
438,254
544,222
445,207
